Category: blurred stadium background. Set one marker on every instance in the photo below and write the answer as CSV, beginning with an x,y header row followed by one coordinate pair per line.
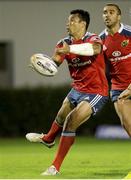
x,y
28,101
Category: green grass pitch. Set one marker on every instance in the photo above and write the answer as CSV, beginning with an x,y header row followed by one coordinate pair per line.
x,y
89,158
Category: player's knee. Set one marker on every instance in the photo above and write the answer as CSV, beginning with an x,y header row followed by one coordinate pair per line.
x,y
70,123
60,120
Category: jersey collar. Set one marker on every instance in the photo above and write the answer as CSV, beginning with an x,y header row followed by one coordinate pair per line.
x,y
119,31
86,34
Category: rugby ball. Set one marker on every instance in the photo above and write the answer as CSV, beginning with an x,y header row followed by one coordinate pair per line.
x,y
43,64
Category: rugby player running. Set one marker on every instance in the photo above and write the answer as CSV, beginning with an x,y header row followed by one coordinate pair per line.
x,y
83,52
117,48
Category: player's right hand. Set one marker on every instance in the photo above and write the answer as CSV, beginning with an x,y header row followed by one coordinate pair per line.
x,y
125,94
65,49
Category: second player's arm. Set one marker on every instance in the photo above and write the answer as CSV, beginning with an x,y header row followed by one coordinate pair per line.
x,y
126,93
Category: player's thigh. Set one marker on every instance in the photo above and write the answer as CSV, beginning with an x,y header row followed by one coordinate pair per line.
x,y
118,110
117,107
125,107
114,96
65,109
78,116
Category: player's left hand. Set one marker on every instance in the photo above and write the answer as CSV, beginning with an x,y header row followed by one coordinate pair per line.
x,y
65,49
126,93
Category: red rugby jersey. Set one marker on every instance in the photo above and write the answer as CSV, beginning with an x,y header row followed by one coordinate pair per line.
x,y
87,72
117,50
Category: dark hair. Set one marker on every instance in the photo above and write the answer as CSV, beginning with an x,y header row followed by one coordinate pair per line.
x,y
117,7
83,15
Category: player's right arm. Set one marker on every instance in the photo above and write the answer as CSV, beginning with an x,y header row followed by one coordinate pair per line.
x,y
57,57
92,47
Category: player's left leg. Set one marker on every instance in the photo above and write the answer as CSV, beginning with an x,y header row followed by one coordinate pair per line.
x,y
125,112
78,116
123,109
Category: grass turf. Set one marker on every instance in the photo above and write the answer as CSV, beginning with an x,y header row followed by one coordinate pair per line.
x,y
89,158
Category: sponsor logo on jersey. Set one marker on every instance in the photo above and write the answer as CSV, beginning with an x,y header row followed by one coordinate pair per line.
x,y
116,53
76,62
125,43
120,58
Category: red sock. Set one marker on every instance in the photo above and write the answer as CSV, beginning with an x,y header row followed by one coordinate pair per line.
x,y
66,141
54,130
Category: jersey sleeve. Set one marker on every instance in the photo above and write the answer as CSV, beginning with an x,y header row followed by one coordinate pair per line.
x,y
58,45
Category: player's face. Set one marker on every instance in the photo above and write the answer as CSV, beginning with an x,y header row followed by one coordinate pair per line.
x,y
74,24
111,16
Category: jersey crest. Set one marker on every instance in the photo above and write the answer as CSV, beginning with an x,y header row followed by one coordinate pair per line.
x,y
125,43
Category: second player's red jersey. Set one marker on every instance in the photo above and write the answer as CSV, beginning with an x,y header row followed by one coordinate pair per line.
x,y
118,51
87,72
